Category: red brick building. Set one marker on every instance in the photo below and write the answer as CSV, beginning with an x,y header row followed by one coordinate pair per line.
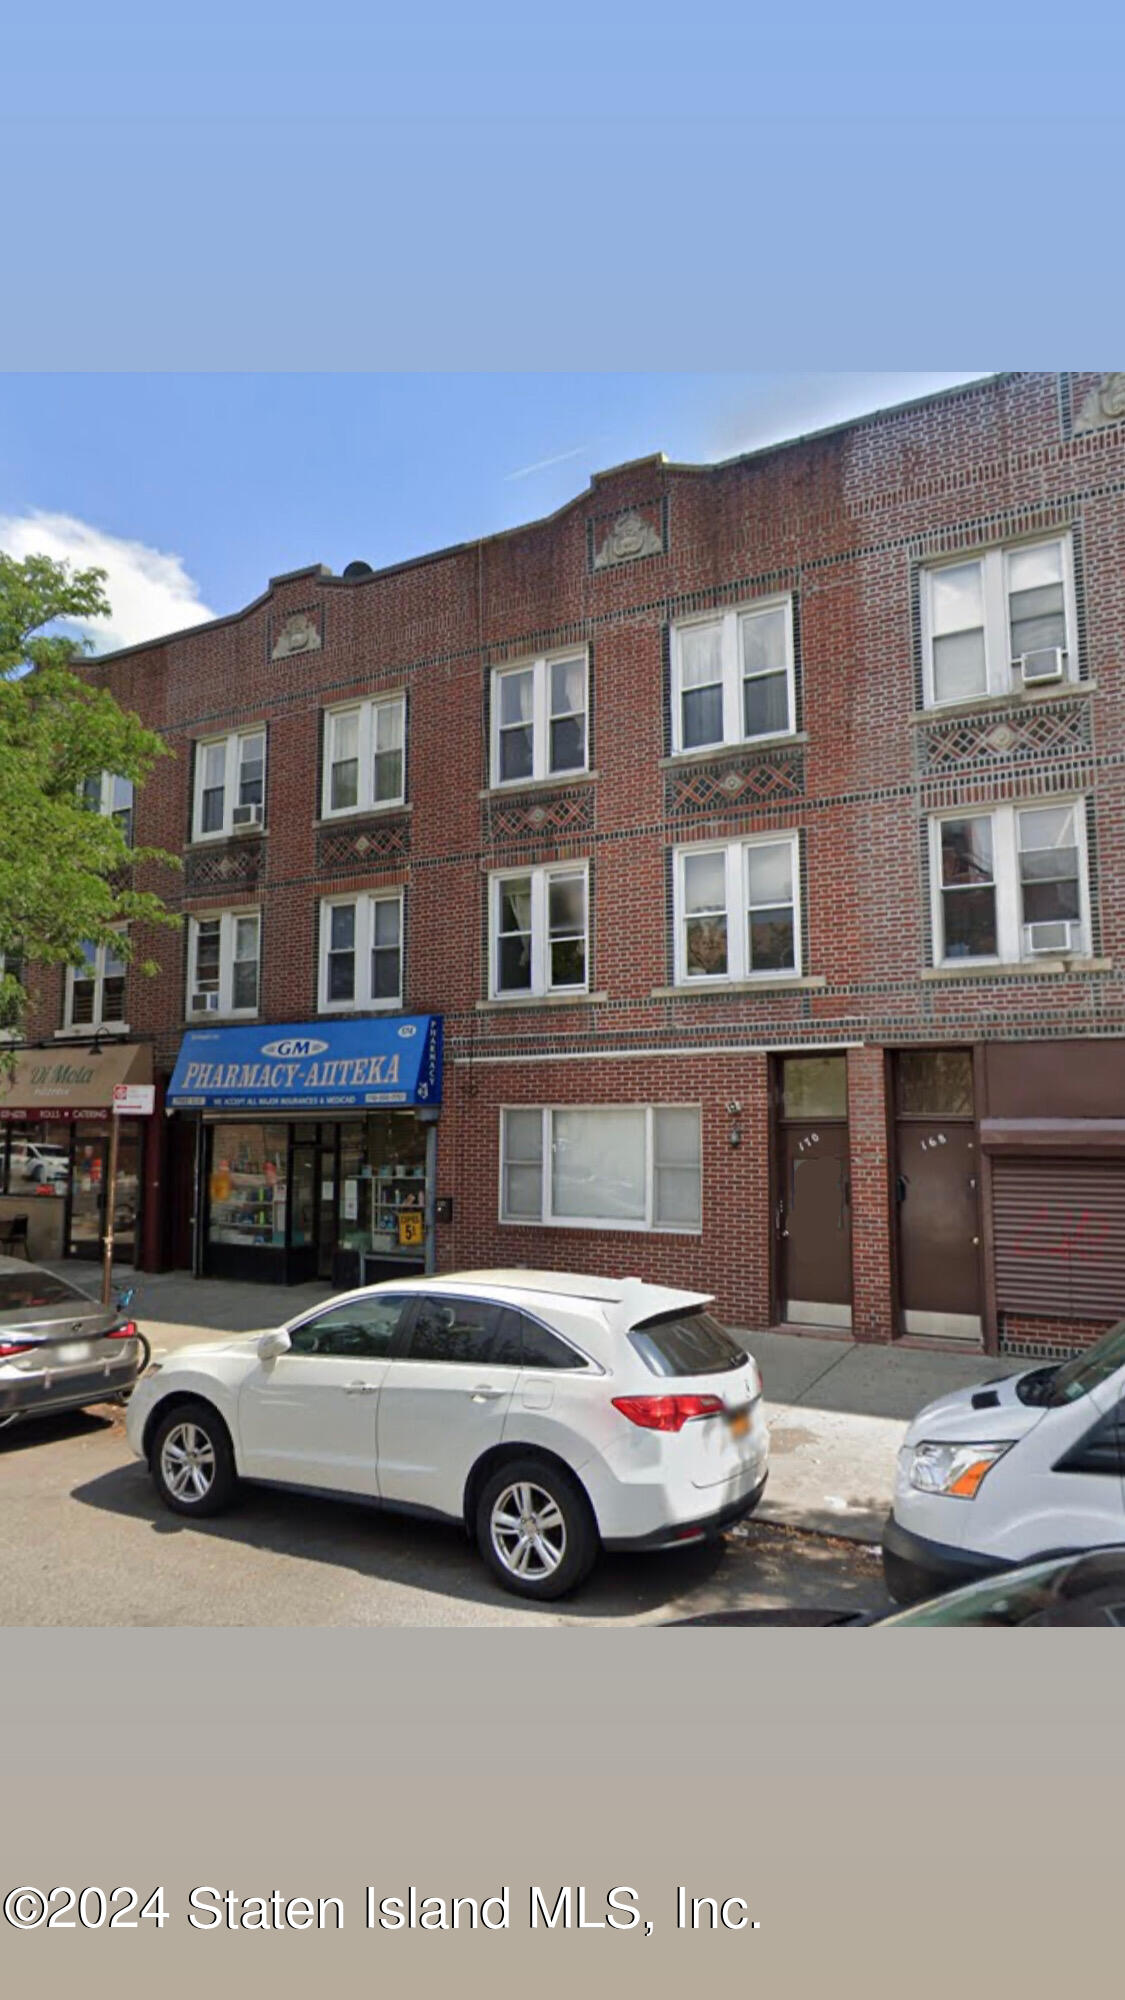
x,y
755,830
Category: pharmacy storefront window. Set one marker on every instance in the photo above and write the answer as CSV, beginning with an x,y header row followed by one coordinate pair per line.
x,y
316,1145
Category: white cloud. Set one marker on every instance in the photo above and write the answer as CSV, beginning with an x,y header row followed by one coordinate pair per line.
x,y
150,593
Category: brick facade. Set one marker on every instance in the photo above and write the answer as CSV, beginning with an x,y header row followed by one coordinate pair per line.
x,y
842,522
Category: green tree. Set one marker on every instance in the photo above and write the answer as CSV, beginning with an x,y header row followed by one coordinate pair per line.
x,y
67,874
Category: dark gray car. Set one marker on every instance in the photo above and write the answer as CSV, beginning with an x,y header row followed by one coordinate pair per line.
x,y
59,1348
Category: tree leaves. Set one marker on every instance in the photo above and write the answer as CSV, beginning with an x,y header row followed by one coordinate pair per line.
x,y
67,873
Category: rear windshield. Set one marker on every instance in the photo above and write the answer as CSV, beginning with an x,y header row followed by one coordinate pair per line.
x,y
686,1343
20,1292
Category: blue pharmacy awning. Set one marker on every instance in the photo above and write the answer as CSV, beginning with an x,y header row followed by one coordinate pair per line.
x,y
310,1066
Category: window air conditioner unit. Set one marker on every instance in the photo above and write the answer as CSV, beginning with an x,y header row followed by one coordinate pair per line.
x,y
1046,664
208,1003
244,816
1053,937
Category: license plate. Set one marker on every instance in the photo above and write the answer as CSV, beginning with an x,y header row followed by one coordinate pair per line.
x,y
739,1421
74,1350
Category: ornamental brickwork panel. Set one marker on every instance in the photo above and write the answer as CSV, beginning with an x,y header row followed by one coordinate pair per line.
x,y
343,849
1032,735
239,865
757,781
558,814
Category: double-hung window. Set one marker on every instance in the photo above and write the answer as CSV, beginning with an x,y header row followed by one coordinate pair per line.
x,y
361,952
224,953
95,990
539,931
539,715
738,910
614,1167
1010,884
365,756
999,623
230,784
103,792
732,676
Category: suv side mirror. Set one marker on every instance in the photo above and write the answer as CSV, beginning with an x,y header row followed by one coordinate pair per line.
x,y
273,1343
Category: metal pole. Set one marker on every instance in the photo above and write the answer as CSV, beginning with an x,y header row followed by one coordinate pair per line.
x,y
110,1205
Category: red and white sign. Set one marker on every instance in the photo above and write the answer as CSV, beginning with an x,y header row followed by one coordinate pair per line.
x,y
134,1100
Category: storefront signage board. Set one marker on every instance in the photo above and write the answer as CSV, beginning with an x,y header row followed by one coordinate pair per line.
x,y
311,1066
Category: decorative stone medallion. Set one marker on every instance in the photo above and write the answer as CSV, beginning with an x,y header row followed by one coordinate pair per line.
x,y
1001,738
300,633
624,538
1105,404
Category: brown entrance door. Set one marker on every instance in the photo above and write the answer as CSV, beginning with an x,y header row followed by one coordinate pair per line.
x,y
813,1215
936,1182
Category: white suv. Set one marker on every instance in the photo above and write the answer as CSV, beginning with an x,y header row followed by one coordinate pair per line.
x,y
554,1415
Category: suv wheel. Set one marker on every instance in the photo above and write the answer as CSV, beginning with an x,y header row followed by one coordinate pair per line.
x,y
535,1529
192,1461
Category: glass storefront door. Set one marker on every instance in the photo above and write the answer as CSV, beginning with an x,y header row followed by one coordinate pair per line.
x,y
87,1191
341,1200
88,1185
305,1210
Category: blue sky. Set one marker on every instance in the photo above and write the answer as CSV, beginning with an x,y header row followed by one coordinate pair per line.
x,y
193,490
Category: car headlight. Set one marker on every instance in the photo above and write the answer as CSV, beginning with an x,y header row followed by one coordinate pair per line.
x,y
957,1470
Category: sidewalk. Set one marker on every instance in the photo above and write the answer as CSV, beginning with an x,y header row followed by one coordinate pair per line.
x,y
837,1409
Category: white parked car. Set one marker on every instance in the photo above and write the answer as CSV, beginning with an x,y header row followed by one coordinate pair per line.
x,y
1010,1472
553,1415
38,1163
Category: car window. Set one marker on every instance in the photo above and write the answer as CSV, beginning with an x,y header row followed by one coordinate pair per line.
x,y
544,1349
466,1330
507,1349
686,1343
359,1329
1087,1370
20,1292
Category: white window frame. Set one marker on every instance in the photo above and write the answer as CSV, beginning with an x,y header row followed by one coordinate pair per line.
x,y
99,1022
737,880
540,670
362,1002
548,1220
366,711
732,676
232,773
995,563
227,921
541,878
1006,876
105,806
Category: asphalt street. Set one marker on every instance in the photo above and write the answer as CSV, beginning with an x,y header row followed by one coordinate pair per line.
x,y
84,1541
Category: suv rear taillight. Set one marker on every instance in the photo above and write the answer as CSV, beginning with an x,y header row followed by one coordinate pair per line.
x,y
667,1413
9,1347
128,1331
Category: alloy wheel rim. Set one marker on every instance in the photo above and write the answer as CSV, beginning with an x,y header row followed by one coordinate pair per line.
x,y
187,1463
528,1531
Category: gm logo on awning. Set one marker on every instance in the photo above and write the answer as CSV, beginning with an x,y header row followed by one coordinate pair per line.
x,y
294,1045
